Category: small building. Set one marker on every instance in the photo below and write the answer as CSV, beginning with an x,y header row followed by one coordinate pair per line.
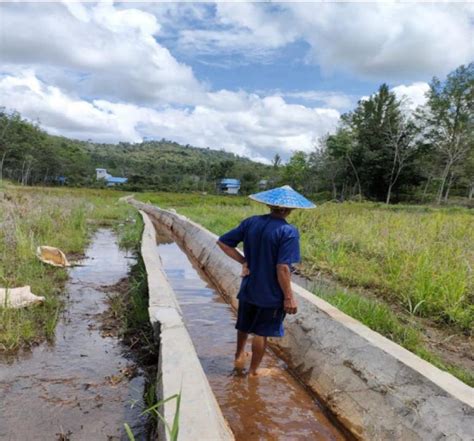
x,y
228,186
263,184
101,173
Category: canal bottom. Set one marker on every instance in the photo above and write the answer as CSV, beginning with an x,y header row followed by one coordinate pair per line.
x,y
276,407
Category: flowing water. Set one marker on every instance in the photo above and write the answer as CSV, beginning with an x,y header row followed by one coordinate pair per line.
x,y
76,388
276,407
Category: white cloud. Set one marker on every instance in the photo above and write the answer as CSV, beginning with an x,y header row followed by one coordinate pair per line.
x,y
238,27
414,95
236,121
389,40
111,52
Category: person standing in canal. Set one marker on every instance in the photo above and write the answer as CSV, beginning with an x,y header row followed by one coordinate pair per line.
x,y
271,246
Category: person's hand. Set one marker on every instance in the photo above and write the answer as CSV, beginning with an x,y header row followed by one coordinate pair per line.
x,y
290,306
245,270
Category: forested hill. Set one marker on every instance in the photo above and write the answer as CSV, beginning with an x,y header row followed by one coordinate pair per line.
x,y
31,156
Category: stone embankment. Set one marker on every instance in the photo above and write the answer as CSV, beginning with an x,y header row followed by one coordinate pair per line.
x,y
376,389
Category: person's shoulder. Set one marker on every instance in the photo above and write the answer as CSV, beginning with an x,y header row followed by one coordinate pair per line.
x,y
289,230
250,220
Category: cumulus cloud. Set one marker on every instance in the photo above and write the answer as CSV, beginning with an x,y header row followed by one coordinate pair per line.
x,y
239,122
235,27
110,52
396,41
413,95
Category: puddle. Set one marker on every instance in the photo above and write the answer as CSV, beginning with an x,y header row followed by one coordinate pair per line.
x,y
268,408
75,388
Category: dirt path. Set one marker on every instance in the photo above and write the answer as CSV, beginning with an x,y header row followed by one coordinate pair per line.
x,y
82,386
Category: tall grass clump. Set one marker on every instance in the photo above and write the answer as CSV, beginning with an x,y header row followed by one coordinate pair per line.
x,y
420,258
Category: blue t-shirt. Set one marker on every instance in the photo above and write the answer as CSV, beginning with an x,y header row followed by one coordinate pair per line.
x,y
268,241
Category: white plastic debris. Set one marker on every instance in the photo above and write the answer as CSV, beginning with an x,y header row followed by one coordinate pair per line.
x,y
18,297
52,256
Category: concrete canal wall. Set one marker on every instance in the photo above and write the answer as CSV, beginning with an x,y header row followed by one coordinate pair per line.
x,y
179,368
377,389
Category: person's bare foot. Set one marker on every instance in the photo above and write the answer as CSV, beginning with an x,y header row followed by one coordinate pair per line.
x,y
263,372
239,362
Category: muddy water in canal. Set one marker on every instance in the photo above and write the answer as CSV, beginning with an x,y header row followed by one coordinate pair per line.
x,y
76,387
276,407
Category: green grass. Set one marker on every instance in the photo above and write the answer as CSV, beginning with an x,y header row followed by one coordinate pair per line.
x,y
59,217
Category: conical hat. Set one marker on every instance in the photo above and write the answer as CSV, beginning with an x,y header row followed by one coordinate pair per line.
x,y
282,197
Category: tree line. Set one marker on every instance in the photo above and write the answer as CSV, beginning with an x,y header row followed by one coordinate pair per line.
x,y
385,151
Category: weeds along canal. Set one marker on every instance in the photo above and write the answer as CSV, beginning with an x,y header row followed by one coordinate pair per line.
x,y
85,384
277,407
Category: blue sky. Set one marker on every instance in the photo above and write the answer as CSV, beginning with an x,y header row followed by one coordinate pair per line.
x,y
252,78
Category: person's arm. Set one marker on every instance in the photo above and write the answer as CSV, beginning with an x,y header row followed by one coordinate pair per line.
x,y
284,280
235,254
228,243
288,253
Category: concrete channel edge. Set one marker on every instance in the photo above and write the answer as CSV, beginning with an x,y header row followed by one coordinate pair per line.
x,y
179,369
374,387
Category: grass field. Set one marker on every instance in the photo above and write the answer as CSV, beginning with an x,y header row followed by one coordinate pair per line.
x,y
418,259
58,217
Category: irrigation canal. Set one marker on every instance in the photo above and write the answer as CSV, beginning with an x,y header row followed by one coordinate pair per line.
x,y
79,386
277,407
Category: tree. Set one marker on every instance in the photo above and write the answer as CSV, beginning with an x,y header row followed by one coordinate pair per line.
x,y
378,140
296,171
448,119
276,160
343,145
401,138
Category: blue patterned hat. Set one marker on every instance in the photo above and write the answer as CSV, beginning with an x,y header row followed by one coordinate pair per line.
x,y
282,197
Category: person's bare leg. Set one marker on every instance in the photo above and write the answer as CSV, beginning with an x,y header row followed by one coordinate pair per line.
x,y
258,350
240,355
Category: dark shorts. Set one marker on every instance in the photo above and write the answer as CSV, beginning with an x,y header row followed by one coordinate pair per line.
x,y
253,319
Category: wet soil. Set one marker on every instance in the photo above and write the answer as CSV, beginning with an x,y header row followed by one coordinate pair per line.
x,y
276,407
83,385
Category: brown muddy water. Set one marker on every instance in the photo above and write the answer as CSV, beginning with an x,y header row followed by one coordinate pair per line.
x,y
271,408
77,387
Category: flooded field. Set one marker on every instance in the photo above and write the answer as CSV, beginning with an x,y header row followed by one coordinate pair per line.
x,y
82,386
270,408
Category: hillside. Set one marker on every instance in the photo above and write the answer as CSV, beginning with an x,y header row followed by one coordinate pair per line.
x,y
29,155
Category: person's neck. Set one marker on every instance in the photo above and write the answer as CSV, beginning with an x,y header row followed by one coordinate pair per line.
x,y
278,216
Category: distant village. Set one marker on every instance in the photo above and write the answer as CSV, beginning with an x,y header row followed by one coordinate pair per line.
x,y
223,186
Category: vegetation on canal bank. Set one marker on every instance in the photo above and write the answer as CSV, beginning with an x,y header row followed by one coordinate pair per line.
x,y
58,217
416,261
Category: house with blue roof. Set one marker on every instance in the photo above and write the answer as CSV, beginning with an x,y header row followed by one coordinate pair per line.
x,y
228,186
101,173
